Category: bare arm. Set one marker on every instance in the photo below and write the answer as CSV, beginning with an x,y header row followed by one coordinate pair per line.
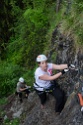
x,y
47,77
22,89
59,67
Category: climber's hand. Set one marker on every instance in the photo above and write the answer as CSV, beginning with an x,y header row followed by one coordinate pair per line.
x,y
64,71
71,66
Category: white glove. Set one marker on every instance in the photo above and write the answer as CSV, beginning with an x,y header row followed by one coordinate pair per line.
x,y
82,109
29,86
64,71
72,66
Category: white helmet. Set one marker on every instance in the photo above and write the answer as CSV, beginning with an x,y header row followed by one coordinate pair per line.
x,y
21,79
41,58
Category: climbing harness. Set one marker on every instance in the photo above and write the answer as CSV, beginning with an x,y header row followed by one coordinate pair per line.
x,y
48,90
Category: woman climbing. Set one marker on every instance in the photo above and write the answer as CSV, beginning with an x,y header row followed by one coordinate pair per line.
x,y
44,80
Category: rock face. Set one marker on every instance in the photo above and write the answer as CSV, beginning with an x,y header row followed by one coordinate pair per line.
x,y
71,114
30,112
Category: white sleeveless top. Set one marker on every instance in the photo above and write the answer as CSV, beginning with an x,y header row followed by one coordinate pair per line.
x,y
42,83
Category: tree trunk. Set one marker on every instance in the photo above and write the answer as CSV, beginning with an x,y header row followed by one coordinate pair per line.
x,y
58,4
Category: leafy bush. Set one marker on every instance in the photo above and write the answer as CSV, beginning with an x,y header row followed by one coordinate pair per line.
x,y
29,77
30,37
3,101
9,74
11,122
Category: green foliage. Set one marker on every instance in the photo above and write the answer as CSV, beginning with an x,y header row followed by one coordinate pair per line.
x,y
30,37
9,74
73,21
3,101
29,77
78,5
36,18
11,122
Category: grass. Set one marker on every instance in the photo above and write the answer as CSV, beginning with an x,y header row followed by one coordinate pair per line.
x,y
12,122
3,101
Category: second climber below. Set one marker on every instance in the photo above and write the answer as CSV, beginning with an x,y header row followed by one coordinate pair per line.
x,y
44,78
22,88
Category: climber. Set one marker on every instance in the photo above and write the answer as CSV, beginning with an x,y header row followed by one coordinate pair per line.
x,y
22,88
45,80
